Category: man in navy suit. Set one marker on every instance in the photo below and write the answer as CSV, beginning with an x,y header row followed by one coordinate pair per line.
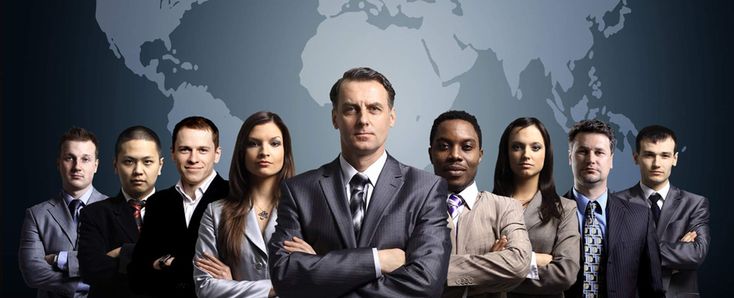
x,y
682,217
375,226
619,252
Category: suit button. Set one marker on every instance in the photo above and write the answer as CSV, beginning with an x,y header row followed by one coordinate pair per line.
x,y
259,266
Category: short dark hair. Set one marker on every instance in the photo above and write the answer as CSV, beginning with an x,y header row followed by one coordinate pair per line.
x,y
79,134
196,122
137,132
593,126
361,74
655,133
455,115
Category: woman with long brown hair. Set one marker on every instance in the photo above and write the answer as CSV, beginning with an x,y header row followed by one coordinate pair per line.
x,y
231,252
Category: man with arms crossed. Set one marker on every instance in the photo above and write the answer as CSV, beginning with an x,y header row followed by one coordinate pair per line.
x,y
376,227
48,238
682,218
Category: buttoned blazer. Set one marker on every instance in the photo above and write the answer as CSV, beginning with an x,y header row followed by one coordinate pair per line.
x,y
472,264
682,212
250,276
48,228
407,210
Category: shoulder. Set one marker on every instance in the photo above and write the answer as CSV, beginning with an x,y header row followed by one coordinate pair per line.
x,y
689,195
163,196
615,201
39,207
103,204
568,205
499,202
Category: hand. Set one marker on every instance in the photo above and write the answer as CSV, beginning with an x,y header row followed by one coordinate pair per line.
x,y
689,237
114,253
163,262
272,293
391,259
543,259
499,244
210,264
50,259
298,245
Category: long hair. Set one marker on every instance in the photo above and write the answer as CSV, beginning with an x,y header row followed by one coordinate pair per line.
x,y
239,202
504,178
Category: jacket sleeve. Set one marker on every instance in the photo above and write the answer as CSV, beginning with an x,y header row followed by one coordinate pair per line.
x,y
678,255
96,266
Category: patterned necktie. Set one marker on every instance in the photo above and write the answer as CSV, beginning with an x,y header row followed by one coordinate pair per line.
x,y
74,207
358,184
593,273
654,198
454,202
137,206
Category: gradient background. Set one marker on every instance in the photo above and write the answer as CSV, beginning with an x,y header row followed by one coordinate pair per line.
x,y
670,65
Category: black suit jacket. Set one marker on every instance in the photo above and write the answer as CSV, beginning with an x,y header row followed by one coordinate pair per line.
x,y
407,210
631,252
165,232
104,226
682,212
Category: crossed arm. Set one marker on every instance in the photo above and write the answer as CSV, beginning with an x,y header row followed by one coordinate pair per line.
x,y
690,251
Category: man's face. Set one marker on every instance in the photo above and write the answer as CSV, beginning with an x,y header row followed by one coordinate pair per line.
x,y
77,164
195,155
138,164
656,161
363,117
455,153
591,158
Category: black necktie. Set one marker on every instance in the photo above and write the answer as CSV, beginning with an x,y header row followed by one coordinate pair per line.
x,y
74,207
654,198
358,185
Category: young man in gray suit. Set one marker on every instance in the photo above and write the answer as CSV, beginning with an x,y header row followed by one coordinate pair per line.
x,y
372,226
682,218
491,251
48,238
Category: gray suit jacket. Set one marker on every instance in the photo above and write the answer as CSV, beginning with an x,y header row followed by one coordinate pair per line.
x,y
682,212
556,237
472,265
250,277
407,210
48,228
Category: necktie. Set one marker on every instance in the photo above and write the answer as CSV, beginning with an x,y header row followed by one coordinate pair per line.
x,y
654,198
593,273
74,207
454,202
137,206
358,185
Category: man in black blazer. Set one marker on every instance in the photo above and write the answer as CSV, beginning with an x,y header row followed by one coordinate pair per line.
x,y
162,261
109,229
627,263
682,217
376,227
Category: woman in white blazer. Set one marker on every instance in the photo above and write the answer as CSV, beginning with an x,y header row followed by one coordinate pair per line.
x,y
231,252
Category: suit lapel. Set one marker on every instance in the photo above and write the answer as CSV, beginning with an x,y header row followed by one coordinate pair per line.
x,y
532,213
333,190
388,184
124,217
616,212
60,213
670,208
252,232
466,222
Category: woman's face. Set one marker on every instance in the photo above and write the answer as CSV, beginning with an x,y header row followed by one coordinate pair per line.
x,y
527,152
264,150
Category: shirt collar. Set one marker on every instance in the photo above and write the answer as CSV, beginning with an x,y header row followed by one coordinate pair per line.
x,y
649,191
582,201
372,172
469,195
129,197
84,197
199,191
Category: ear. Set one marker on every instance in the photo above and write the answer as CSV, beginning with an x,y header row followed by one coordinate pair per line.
x,y
160,169
333,118
393,116
96,164
675,159
217,154
481,154
635,156
611,161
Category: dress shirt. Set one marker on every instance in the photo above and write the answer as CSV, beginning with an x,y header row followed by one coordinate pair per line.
x,y
582,201
62,259
189,204
649,191
145,198
373,172
469,197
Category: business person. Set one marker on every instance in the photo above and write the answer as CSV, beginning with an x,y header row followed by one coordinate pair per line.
x,y
48,238
619,251
231,254
377,227
682,218
162,263
524,171
109,229
490,248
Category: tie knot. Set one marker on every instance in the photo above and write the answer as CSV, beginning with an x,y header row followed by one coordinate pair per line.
x,y
359,181
136,204
75,205
454,200
654,198
592,207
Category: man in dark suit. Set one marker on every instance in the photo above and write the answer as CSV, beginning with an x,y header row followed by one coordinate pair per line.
x,y
48,239
376,226
162,261
619,252
109,229
682,218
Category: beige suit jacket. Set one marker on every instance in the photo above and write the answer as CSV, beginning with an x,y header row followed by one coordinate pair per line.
x,y
472,266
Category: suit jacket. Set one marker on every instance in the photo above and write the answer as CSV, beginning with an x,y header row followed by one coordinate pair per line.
x,y
682,212
631,253
165,232
104,226
407,210
250,276
48,228
472,265
558,237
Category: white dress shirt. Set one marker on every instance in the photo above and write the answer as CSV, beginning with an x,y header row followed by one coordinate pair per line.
x,y
649,191
190,203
